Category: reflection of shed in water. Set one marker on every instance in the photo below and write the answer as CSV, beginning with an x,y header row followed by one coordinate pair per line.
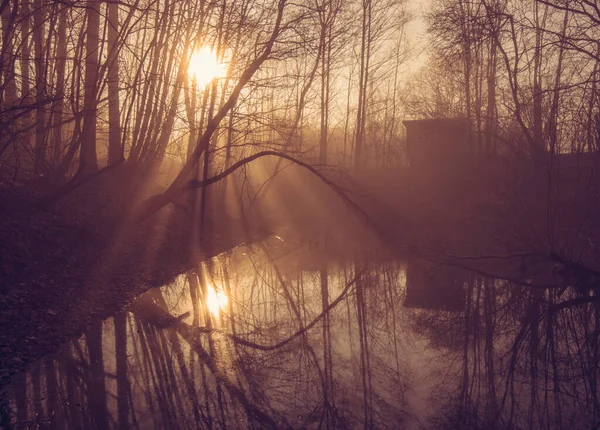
x,y
434,286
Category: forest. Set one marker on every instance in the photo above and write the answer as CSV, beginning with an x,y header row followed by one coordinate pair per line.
x,y
299,214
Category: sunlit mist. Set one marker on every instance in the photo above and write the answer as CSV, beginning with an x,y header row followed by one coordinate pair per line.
x,y
204,66
215,300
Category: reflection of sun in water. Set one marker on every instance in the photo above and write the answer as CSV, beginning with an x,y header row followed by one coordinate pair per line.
x,y
205,66
215,300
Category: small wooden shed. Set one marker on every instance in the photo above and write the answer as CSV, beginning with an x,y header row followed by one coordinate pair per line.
x,y
439,144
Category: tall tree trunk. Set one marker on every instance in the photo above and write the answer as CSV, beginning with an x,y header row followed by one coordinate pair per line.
x,y
115,147
58,104
554,108
591,137
490,114
325,52
25,78
88,159
147,97
190,99
8,86
538,138
467,63
40,87
362,86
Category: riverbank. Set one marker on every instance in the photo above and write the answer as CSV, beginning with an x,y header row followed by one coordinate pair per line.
x,y
65,267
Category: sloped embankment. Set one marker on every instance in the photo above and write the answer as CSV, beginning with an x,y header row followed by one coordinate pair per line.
x,y
84,259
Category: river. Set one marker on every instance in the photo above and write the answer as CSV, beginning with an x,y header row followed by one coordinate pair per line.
x,y
268,336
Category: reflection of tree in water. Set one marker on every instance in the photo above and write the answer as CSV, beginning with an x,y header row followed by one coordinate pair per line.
x,y
443,329
431,286
319,349
332,347
529,360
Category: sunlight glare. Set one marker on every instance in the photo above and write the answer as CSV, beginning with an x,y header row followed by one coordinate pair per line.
x,y
215,300
205,66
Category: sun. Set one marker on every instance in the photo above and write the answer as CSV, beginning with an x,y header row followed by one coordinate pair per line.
x,y
215,300
204,66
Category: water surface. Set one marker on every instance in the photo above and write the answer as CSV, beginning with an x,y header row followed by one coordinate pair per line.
x,y
269,336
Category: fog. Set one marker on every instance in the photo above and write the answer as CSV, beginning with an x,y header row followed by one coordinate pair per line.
x,y
275,214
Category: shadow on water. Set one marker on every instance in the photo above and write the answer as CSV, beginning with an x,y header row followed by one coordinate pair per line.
x,y
262,338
